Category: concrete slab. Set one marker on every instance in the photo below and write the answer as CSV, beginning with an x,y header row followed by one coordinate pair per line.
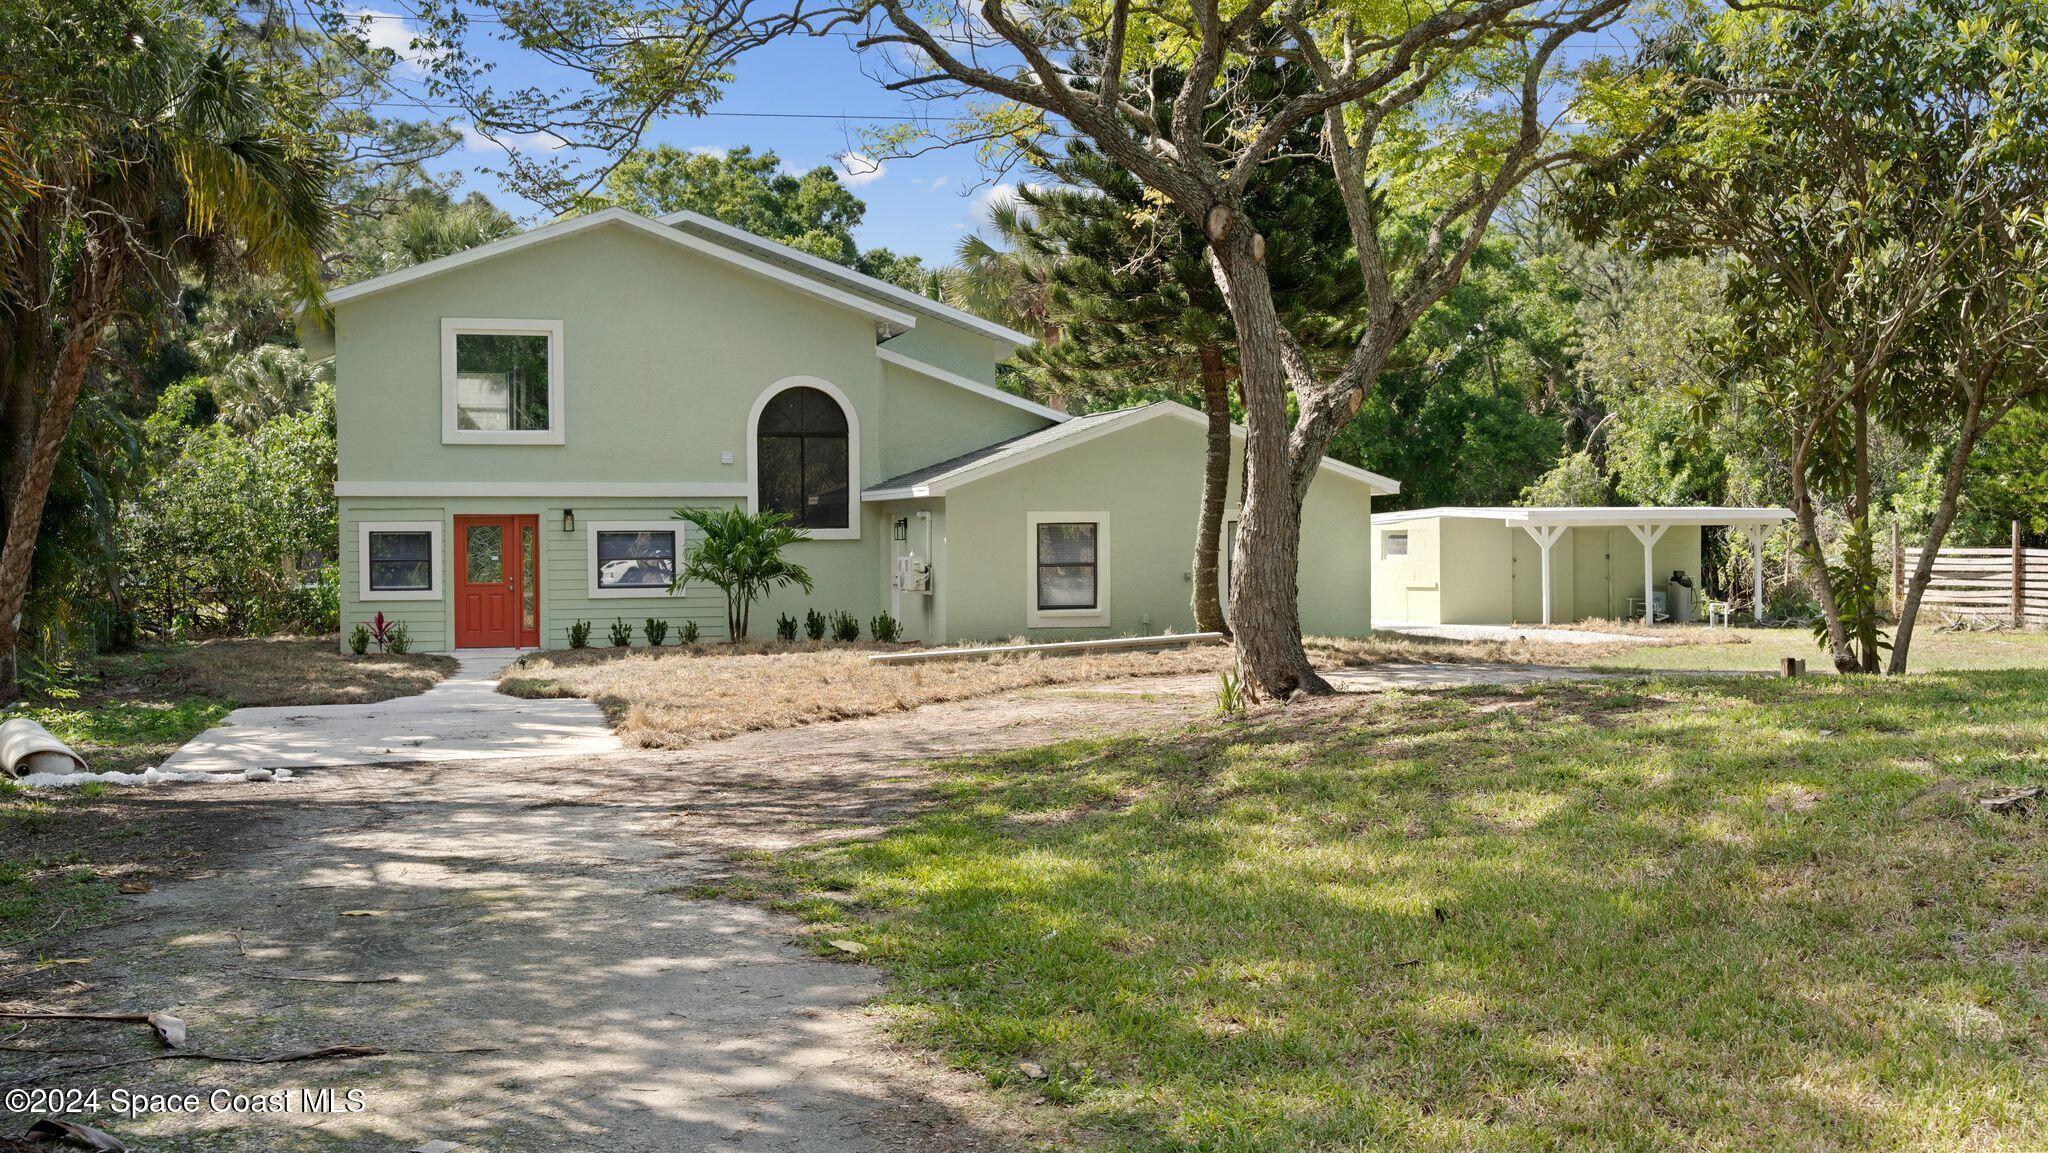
x,y
463,718
1510,633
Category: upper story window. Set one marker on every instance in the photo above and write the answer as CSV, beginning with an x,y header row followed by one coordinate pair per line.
x,y
804,446
1394,544
501,382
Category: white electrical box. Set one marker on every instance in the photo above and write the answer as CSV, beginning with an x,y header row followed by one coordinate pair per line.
x,y
913,575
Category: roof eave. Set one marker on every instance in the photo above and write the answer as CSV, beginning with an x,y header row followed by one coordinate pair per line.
x,y
561,229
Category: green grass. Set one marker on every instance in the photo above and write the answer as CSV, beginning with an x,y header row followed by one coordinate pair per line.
x,y
1681,914
124,735
1758,650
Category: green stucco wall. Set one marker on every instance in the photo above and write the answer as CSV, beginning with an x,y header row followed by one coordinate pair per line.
x,y
1147,478
1477,570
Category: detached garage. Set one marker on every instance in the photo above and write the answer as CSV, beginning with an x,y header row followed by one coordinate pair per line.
x,y
1547,565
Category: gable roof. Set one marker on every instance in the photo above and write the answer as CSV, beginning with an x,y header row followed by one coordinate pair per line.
x,y
809,284
804,262
936,479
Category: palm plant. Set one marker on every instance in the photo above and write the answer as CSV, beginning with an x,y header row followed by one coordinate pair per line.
x,y
141,143
740,554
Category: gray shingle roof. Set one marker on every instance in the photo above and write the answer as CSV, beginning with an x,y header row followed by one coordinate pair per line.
x,y
1029,442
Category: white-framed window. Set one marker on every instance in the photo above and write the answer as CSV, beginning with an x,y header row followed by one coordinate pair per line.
x,y
1393,544
399,560
635,558
803,456
501,382
1067,569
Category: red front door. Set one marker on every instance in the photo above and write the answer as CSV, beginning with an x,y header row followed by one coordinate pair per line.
x,y
497,582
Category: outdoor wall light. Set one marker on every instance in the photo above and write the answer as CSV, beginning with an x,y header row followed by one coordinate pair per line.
x,y
902,528
568,520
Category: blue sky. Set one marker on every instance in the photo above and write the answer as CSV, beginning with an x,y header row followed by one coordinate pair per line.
x,y
922,206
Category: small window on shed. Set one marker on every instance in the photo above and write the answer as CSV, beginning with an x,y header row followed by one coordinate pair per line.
x,y
1394,544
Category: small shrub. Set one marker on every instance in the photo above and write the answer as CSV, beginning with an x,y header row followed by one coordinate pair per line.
x,y
1230,695
885,629
690,632
400,639
845,627
380,631
622,633
785,628
656,631
359,640
814,624
579,635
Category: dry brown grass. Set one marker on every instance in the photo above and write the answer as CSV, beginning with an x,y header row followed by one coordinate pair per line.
x,y
666,698
270,671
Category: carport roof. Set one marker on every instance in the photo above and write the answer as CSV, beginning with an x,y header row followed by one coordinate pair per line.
x,y
1581,517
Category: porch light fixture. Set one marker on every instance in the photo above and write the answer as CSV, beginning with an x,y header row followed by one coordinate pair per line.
x,y
902,528
568,520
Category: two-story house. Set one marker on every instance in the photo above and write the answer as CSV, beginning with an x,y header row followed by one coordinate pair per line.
x,y
518,422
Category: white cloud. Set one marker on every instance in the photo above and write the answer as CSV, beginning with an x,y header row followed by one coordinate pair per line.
x,y
717,150
475,141
381,29
982,205
856,170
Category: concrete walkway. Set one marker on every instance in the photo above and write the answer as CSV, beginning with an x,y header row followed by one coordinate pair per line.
x,y
464,718
1511,633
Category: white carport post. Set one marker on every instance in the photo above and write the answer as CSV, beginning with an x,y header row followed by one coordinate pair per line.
x,y
1545,535
1755,533
1648,534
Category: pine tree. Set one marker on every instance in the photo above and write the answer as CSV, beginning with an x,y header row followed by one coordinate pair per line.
x,y
1136,307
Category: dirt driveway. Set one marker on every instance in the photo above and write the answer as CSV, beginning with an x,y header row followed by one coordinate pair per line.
x,y
519,936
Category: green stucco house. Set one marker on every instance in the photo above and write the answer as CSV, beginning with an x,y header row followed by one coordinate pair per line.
x,y
518,422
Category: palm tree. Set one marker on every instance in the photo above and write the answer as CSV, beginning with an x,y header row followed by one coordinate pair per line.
x,y
740,554
146,144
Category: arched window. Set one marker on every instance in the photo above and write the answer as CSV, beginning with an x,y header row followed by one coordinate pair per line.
x,y
800,444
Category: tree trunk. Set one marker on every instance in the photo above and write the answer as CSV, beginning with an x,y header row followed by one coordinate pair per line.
x,y
1862,565
1937,531
83,323
1816,559
1265,613
1208,604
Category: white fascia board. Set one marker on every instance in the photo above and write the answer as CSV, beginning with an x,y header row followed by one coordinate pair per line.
x,y
940,485
570,490
891,356
810,286
988,328
1668,516
1595,516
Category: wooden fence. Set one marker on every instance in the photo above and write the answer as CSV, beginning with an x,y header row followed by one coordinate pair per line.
x,y
2006,586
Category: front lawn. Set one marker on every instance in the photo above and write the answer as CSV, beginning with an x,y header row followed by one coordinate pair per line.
x,y
670,697
1758,650
1674,914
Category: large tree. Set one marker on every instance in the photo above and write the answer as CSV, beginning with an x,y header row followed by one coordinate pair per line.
x,y
813,212
143,138
1872,173
1435,113
1137,312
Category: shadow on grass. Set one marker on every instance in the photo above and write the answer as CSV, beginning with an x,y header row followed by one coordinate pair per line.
x,y
1675,913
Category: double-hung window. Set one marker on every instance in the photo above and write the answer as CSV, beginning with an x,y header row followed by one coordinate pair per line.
x,y
400,560
634,558
1069,570
501,382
